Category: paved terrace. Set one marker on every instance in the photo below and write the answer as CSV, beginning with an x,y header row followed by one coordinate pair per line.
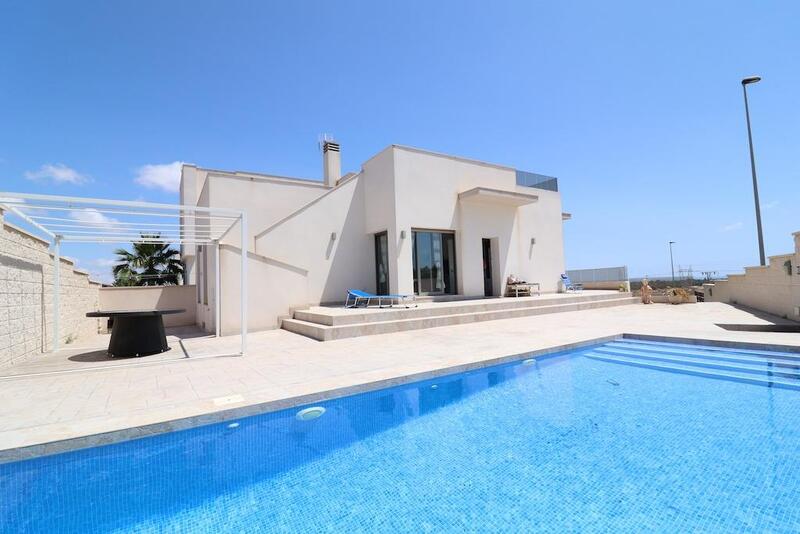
x,y
88,405
476,303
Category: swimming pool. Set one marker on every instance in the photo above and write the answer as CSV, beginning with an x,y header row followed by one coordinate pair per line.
x,y
626,436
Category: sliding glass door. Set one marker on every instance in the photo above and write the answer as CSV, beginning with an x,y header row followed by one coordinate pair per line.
x,y
434,262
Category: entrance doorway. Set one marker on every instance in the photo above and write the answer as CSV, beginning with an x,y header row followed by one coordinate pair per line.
x,y
488,284
382,263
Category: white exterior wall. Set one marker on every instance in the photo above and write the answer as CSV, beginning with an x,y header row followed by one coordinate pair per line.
x,y
203,265
542,262
192,180
275,285
426,192
380,211
426,195
266,200
486,221
294,262
274,289
304,241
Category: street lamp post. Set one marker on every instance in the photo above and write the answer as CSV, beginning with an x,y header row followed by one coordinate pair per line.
x,y
745,83
672,263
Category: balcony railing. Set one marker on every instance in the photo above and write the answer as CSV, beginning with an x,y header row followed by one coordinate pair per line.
x,y
606,274
539,181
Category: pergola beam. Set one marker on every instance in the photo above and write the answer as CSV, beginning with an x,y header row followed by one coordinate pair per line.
x,y
12,198
70,223
132,231
128,232
124,239
114,211
27,219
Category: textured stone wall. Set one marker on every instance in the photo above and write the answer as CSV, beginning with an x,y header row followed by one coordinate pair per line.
x,y
26,297
773,288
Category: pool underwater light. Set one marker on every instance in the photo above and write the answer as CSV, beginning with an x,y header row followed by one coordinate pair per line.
x,y
310,413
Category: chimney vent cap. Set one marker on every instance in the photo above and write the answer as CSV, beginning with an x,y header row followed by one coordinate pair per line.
x,y
332,146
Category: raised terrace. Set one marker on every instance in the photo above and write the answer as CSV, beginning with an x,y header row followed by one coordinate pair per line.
x,y
325,323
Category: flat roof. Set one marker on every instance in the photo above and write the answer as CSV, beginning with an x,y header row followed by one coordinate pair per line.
x,y
408,148
257,176
450,156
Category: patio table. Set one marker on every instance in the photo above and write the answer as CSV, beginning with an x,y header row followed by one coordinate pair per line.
x,y
136,332
526,288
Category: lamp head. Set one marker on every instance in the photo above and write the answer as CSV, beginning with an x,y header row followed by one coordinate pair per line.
x,y
751,79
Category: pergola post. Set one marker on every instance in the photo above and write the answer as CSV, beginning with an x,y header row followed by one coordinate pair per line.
x,y
243,285
56,289
217,276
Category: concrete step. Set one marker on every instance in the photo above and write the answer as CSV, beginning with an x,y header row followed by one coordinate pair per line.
x,y
340,316
713,349
761,380
324,332
711,353
762,368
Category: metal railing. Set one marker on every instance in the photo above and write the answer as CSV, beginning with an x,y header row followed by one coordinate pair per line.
x,y
603,274
539,181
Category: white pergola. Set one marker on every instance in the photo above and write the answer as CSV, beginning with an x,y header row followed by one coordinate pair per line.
x,y
93,220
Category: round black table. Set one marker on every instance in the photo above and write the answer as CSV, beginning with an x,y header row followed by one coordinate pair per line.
x,y
136,332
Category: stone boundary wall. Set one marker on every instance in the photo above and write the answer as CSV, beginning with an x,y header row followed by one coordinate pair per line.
x,y
155,298
26,297
773,288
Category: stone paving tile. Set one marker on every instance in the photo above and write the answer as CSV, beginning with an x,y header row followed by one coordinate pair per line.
x,y
280,365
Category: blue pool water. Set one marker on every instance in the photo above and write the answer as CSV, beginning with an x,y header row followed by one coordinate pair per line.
x,y
627,436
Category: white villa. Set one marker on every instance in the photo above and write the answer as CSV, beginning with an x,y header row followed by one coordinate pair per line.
x,y
410,221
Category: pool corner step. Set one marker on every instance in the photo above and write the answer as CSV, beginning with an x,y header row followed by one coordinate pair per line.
x,y
736,376
709,348
758,367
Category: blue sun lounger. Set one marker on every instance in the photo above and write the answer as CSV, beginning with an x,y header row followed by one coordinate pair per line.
x,y
356,297
569,285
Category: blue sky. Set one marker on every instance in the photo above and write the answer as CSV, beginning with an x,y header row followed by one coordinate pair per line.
x,y
635,106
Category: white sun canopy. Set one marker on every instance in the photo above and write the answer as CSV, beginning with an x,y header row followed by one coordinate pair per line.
x,y
94,220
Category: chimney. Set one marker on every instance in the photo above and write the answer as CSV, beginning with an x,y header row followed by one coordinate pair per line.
x,y
331,162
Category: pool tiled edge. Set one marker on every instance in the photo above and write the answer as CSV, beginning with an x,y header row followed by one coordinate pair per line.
x,y
211,413
36,441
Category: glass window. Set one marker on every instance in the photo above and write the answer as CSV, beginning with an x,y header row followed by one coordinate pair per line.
x,y
434,262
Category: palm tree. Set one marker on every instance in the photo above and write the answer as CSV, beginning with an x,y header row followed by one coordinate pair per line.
x,y
149,264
